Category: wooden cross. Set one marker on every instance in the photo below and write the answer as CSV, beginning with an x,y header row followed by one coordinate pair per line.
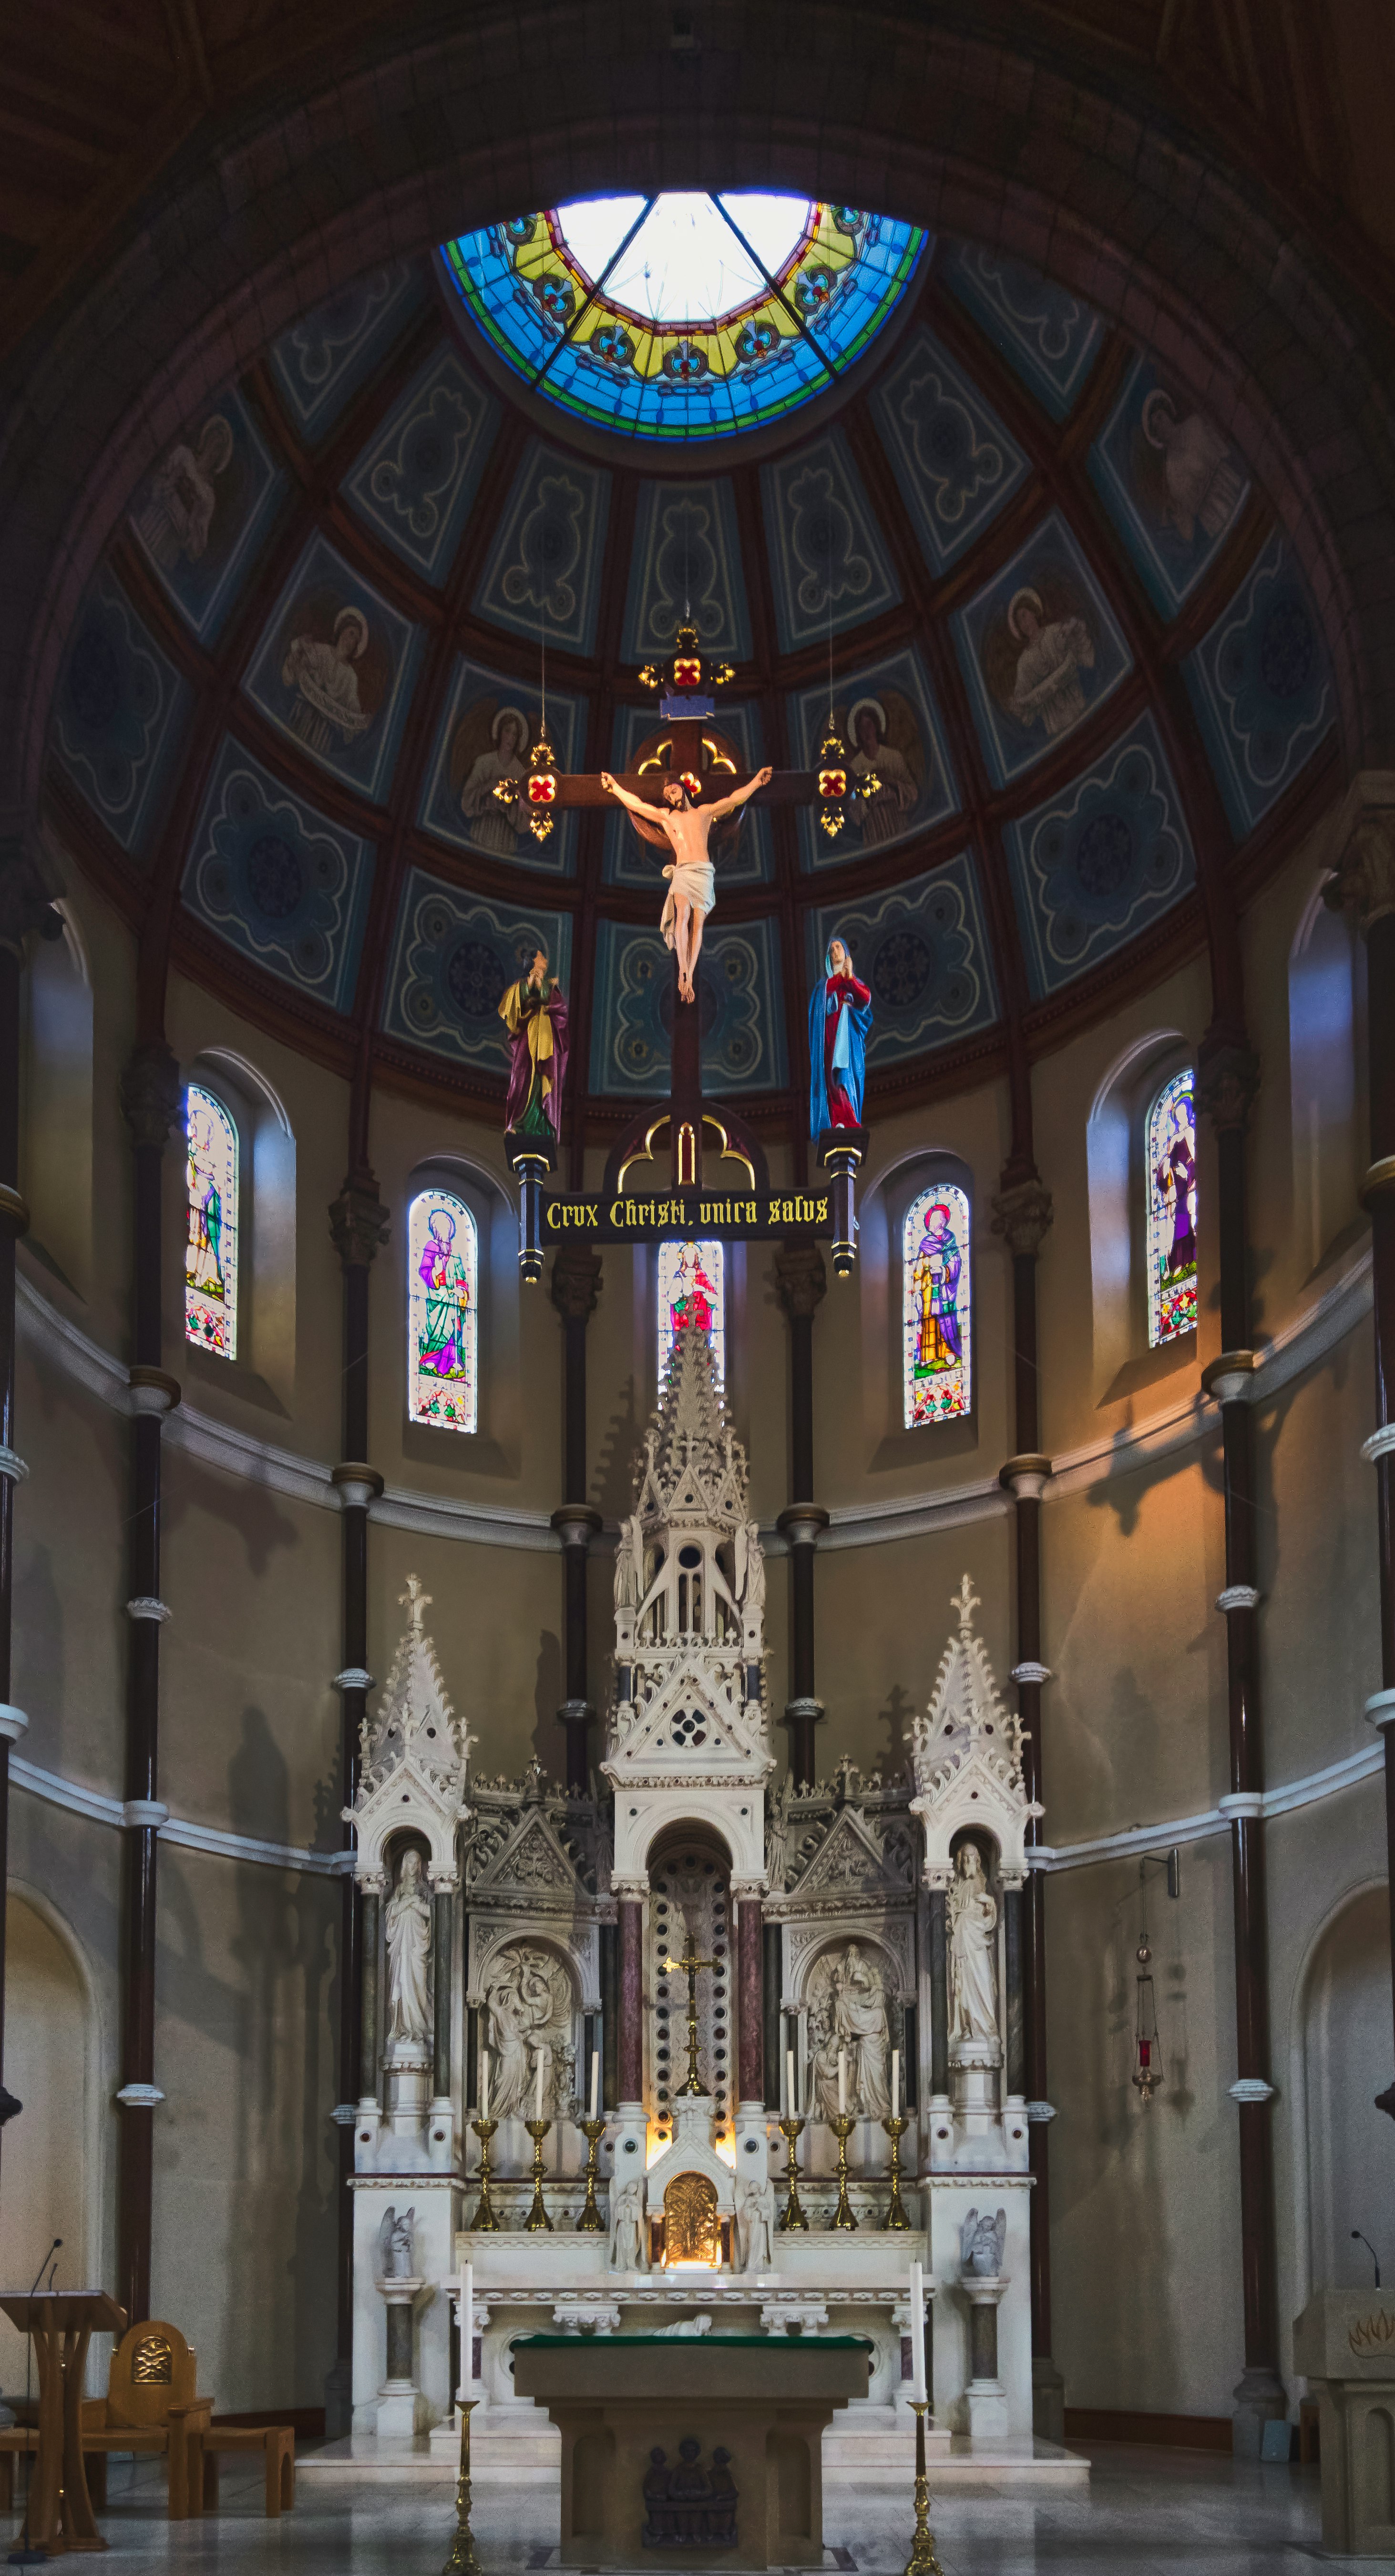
x,y
692,1963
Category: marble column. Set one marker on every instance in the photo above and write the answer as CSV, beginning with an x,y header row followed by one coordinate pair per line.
x,y
358,1224
25,908
1362,852
152,1101
1227,1080
750,1991
800,1283
630,2052
576,1281
1022,1216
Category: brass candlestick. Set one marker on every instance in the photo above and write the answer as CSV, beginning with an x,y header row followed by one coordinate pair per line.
x,y
484,2218
591,2222
896,2214
845,2124
462,2560
537,2216
922,2560
792,2215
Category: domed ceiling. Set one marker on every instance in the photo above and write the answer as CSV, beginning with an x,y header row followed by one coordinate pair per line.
x,y
1061,627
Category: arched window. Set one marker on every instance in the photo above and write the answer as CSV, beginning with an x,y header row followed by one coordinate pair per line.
x,y
1170,1158
692,1288
442,1312
936,1307
210,1265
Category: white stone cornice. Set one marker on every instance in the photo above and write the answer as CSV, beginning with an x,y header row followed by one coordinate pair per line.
x,y
13,1721
146,1607
1041,2111
13,1466
1379,1445
1251,2088
143,1813
1242,1806
1239,1596
140,2097
353,1677
1031,1673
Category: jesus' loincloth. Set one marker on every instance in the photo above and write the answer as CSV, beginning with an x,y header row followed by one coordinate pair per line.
x,y
695,881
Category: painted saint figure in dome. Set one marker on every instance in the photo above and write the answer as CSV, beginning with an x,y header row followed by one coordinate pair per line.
x,y
840,1015
442,1351
935,1280
534,1012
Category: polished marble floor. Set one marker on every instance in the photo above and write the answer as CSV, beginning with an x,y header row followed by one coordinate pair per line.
x,y
1162,2513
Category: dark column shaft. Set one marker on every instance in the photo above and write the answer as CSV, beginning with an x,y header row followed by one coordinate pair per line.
x,y
750,2006
1380,1199
12,1224
631,2045
576,1279
801,1282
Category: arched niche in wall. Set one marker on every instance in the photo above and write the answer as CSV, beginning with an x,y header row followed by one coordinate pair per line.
x,y
1327,1087
494,1447
889,1316
262,1369
1116,1152
1341,2033
56,1103
53,2184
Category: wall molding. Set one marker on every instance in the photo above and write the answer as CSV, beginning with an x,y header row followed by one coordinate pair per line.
x,y
1307,1792
100,1810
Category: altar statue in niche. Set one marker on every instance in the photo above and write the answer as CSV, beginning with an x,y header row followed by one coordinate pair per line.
x,y
840,1015
407,1930
627,2237
692,889
629,1564
534,1012
973,1927
981,2243
848,2018
749,1562
529,2003
755,2223
397,2246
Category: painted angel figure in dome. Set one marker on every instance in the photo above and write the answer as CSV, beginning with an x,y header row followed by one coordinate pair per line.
x,y
840,1015
692,888
534,1012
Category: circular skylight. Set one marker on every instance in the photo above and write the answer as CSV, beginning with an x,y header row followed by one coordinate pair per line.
x,y
684,316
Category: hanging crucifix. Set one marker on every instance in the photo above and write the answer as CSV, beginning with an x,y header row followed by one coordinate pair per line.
x,y
692,1963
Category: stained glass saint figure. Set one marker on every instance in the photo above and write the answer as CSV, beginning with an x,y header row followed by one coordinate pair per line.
x,y
692,1290
1171,1151
210,1263
935,1310
442,1332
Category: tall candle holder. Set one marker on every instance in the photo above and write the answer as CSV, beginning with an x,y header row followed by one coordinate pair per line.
x,y
484,2220
462,2560
537,2216
792,2215
896,2213
591,2222
922,2560
844,2126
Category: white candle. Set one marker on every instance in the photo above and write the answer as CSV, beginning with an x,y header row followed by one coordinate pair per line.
x,y
467,2325
484,2084
842,2083
537,2106
917,2335
896,2083
791,2097
595,2079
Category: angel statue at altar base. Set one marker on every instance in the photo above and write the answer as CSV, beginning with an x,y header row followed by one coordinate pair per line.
x,y
692,889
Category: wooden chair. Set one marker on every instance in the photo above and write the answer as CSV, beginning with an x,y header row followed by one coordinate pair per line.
x,y
14,2439
150,2407
207,2443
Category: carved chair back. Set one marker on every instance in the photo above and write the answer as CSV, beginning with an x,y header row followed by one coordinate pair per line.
x,y
152,2369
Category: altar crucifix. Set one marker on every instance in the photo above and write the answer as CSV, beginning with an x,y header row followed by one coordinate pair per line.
x,y
692,1963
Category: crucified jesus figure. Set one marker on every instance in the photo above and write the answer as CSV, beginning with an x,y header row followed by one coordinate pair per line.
x,y
692,886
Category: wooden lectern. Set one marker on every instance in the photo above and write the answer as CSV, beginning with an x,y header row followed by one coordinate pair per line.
x,y
62,2323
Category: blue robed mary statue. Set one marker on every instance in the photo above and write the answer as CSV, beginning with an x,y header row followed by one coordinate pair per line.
x,y
840,1015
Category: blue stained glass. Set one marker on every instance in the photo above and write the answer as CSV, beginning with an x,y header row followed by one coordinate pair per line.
x,y
677,379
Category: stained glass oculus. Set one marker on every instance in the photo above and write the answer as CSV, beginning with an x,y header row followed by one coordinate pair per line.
x,y
681,316
937,1357
1171,1151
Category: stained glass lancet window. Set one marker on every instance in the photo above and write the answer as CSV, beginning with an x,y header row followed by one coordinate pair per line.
x,y
692,1287
1171,1152
936,1307
442,1312
684,316
210,1261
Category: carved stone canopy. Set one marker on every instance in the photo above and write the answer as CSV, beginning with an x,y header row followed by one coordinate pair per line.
x,y
414,1755
967,1758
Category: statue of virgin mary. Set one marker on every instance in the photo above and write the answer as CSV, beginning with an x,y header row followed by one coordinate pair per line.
x,y
408,1932
840,1015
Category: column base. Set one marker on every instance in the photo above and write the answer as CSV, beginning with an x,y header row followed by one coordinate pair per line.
x,y
1260,2399
1048,2400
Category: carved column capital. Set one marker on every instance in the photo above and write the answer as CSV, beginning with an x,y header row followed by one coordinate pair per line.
x,y
1022,1215
1227,1079
1361,850
358,1220
801,1280
151,1097
576,1281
